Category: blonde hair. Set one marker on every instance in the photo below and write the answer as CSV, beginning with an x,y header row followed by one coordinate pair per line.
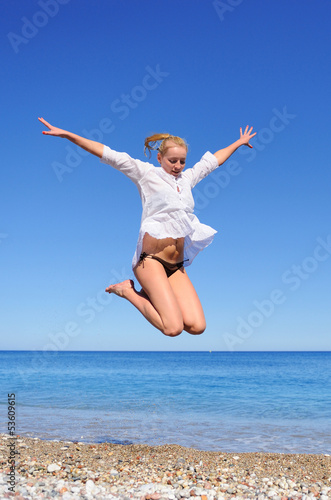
x,y
151,143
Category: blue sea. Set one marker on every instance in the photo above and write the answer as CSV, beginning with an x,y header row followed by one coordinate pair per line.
x,y
221,401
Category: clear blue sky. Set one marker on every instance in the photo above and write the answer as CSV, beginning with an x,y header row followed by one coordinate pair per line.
x,y
198,69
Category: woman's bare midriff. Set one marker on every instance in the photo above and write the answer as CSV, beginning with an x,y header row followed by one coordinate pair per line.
x,y
167,249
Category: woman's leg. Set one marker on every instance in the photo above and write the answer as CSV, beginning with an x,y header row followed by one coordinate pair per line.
x,y
189,303
157,301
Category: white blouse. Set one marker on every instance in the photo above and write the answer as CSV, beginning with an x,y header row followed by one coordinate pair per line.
x,y
167,201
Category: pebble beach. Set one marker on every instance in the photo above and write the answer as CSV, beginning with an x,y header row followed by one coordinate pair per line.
x,y
75,470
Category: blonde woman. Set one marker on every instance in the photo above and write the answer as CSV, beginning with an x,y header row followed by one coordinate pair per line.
x,y
170,234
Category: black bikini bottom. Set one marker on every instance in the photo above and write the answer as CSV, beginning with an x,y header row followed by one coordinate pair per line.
x,y
168,266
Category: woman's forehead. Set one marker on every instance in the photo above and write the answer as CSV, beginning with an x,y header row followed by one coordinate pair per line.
x,y
176,151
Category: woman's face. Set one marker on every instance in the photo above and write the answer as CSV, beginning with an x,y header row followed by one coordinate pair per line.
x,y
173,160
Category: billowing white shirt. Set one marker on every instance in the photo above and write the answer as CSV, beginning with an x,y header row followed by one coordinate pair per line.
x,y
167,201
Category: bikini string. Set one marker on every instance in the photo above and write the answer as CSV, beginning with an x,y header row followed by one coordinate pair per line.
x,y
143,256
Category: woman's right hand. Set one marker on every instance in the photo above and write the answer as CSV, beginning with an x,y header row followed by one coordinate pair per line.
x,y
96,148
57,132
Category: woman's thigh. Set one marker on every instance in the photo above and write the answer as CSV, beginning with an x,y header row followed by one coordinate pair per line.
x,y
188,301
155,283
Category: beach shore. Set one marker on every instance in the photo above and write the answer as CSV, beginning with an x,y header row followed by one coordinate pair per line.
x,y
71,470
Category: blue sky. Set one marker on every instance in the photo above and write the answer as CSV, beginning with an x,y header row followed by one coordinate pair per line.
x,y
119,71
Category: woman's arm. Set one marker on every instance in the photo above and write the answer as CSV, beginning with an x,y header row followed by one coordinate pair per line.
x,y
96,148
223,154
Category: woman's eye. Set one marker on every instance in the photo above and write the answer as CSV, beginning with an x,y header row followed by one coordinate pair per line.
x,y
182,162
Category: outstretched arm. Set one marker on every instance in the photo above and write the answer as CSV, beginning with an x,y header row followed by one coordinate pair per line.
x,y
223,154
96,148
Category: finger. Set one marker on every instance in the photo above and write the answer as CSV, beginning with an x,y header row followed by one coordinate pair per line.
x,y
253,135
45,122
246,129
241,132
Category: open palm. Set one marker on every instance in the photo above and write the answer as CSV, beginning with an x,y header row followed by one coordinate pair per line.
x,y
246,136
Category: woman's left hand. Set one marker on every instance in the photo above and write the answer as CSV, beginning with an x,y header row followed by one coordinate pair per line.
x,y
246,136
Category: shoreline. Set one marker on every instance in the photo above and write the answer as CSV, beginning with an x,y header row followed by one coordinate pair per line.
x,y
65,469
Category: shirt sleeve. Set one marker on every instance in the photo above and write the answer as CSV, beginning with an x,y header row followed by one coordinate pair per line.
x,y
204,167
134,169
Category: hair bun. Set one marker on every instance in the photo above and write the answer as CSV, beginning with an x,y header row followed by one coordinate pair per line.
x,y
151,143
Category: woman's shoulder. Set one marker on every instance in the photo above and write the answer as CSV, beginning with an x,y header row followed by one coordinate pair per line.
x,y
206,164
122,161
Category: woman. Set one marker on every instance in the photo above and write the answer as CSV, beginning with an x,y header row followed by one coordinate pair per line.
x,y
170,234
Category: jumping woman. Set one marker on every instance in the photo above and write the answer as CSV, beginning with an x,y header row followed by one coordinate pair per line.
x,y
170,234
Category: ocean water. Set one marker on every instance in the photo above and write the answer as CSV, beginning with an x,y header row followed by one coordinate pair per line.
x,y
221,401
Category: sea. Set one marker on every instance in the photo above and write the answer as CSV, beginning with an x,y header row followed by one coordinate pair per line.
x,y
219,401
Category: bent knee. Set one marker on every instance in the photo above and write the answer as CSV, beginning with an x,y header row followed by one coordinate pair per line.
x,y
173,331
196,329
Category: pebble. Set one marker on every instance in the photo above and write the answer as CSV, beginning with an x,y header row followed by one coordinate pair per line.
x,y
53,468
69,471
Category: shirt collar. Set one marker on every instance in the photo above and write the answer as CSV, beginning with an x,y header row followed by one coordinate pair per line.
x,y
168,177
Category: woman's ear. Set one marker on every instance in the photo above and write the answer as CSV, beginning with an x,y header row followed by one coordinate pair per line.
x,y
159,158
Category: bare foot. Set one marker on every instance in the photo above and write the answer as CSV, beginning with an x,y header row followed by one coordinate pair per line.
x,y
121,289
